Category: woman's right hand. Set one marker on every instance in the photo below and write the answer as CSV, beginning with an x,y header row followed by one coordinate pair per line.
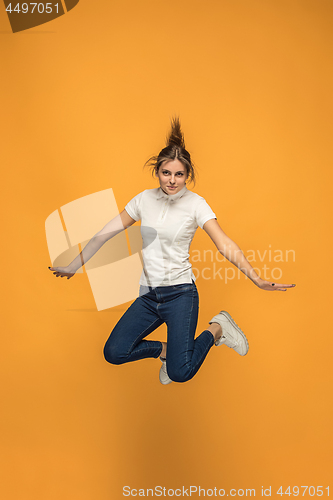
x,y
63,272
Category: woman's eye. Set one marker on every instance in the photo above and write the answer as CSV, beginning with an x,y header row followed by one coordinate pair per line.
x,y
165,172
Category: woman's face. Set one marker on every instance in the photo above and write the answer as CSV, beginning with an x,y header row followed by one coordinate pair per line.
x,y
172,176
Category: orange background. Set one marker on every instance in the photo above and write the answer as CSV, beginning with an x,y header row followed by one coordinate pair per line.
x,y
85,100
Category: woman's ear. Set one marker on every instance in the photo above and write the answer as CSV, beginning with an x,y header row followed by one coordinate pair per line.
x,y
156,172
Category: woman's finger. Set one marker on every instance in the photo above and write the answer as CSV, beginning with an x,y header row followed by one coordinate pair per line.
x,y
61,274
280,285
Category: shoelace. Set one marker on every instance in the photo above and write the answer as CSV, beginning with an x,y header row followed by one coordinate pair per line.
x,y
235,342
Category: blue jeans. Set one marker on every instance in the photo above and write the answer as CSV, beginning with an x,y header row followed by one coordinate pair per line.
x,y
175,305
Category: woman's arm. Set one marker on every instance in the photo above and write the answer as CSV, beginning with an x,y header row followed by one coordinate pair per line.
x,y
234,254
115,226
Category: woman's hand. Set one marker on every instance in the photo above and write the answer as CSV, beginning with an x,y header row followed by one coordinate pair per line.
x,y
63,272
271,287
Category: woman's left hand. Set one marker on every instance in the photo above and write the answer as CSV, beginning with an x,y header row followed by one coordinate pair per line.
x,y
271,287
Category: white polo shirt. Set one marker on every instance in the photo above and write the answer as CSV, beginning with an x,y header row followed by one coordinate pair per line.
x,y
168,225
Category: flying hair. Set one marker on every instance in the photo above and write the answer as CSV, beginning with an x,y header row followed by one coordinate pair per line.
x,y
175,149
175,136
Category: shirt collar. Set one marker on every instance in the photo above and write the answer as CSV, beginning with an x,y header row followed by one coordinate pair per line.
x,y
171,197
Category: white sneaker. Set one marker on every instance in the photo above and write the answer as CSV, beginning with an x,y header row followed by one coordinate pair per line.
x,y
164,377
232,335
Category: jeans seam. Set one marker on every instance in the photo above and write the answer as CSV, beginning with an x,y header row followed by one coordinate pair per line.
x,y
188,325
202,358
144,348
133,344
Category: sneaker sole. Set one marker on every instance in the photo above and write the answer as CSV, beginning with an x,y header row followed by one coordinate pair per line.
x,y
165,381
227,315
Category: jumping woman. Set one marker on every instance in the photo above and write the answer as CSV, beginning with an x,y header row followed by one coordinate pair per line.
x,y
170,216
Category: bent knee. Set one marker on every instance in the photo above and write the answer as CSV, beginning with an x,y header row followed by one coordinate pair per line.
x,y
180,375
113,355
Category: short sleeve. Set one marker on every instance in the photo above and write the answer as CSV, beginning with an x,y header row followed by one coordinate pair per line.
x,y
133,207
203,212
